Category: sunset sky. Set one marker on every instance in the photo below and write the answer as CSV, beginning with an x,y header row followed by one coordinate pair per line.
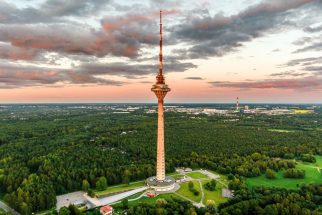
x,y
214,50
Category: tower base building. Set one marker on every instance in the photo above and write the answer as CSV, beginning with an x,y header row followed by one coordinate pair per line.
x,y
161,186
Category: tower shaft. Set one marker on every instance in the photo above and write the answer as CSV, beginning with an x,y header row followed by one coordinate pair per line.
x,y
160,143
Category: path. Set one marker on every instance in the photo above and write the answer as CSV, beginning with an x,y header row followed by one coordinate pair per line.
x,y
8,209
193,202
202,194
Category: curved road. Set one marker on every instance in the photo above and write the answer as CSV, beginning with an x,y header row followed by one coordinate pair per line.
x,y
8,209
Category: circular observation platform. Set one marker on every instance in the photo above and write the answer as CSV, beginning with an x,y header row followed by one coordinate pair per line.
x,y
161,186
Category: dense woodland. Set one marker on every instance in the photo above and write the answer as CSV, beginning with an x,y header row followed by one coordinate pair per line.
x,y
53,149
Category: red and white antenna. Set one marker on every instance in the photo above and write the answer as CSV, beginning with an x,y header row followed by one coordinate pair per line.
x,y
160,78
237,104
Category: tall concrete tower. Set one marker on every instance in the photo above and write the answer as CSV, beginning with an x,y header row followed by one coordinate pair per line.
x,y
160,89
160,182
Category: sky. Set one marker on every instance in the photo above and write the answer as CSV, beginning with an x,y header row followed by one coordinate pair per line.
x,y
214,50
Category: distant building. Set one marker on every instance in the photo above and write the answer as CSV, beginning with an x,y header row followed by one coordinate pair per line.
x,y
106,210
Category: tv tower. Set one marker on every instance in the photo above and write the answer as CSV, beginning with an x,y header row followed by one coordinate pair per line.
x,y
160,182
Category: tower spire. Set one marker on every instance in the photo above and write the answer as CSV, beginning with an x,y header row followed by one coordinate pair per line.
x,y
160,78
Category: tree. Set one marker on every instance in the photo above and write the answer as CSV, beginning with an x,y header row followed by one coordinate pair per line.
x,y
91,193
270,174
125,204
74,210
101,184
126,177
190,185
85,185
211,185
64,211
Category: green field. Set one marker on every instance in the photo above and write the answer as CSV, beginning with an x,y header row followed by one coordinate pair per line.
x,y
177,176
184,190
196,175
312,175
122,187
214,195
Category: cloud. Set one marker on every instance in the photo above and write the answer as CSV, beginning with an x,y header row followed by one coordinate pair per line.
x,y
14,76
49,11
72,7
132,70
304,61
291,73
67,38
194,78
316,46
311,82
313,29
15,53
218,35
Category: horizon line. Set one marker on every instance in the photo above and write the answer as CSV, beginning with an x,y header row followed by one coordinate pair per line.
x,y
281,103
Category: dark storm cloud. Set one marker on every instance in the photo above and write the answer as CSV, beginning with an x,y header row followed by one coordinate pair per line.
x,y
301,83
12,76
218,35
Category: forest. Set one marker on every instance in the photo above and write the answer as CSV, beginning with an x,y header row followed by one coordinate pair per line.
x,y
47,150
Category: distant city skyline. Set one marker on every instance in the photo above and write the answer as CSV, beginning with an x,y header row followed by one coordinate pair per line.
x,y
263,51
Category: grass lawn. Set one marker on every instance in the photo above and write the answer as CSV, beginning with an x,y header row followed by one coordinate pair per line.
x,y
223,178
197,175
177,176
214,195
318,161
151,201
184,190
122,187
312,175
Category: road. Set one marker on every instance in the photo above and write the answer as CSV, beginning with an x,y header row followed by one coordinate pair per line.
x,y
8,209
115,198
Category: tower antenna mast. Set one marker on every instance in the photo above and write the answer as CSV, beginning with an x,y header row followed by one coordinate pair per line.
x,y
160,78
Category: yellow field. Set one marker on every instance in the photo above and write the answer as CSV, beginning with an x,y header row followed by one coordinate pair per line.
x,y
303,111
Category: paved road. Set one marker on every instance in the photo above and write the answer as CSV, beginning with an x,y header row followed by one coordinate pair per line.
x,y
115,198
8,209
